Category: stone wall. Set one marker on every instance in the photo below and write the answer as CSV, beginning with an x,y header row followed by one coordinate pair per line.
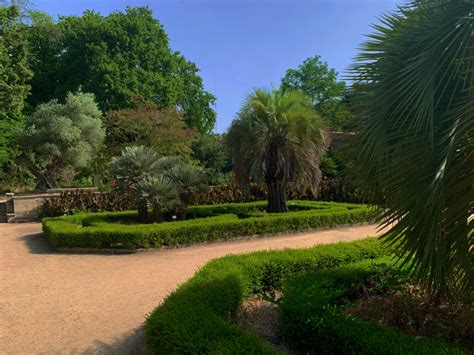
x,y
24,208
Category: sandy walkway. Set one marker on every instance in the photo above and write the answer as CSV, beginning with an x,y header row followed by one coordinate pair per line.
x,y
81,303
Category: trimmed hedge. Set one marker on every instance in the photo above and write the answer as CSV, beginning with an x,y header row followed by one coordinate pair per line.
x,y
207,223
313,321
198,316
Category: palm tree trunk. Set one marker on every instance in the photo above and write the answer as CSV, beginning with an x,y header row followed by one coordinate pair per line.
x,y
276,197
143,213
157,215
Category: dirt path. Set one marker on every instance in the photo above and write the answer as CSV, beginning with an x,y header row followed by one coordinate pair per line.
x,y
84,303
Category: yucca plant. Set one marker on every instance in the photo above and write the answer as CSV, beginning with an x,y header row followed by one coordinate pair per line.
x,y
131,167
161,193
278,138
415,145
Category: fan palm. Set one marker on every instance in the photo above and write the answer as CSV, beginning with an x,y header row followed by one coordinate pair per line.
x,y
160,192
130,168
190,180
279,138
415,142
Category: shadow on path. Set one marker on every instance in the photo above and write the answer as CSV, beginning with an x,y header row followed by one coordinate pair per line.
x,y
132,343
37,244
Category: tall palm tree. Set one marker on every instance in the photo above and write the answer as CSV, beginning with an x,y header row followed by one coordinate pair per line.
x,y
415,145
279,138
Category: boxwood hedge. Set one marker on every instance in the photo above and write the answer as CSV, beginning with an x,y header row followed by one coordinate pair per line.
x,y
313,322
206,223
199,316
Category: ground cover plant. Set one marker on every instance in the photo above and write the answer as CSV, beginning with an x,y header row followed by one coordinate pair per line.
x,y
200,316
203,223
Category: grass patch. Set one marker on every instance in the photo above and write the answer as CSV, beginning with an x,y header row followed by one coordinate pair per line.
x,y
205,223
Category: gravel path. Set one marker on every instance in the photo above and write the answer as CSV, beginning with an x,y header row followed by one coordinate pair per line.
x,y
88,303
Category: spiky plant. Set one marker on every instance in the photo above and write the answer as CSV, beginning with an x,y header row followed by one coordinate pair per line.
x,y
279,138
132,166
160,193
415,145
189,180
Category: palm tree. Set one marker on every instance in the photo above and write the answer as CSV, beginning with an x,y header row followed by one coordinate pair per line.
x,y
161,193
279,138
189,180
415,145
131,167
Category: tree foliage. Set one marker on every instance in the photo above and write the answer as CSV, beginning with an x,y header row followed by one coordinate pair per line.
x,y
58,137
321,84
415,142
279,138
167,184
162,129
212,153
14,76
117,57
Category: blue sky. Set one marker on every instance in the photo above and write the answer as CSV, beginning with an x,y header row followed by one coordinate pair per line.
x,y
242,44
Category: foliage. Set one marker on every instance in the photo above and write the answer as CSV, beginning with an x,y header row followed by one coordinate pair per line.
x,y
414,146
157,181
14,76
164,130
204,223
320,83
313,322
70,202
211,152
60,137
197,317
279,138
117,57
161,193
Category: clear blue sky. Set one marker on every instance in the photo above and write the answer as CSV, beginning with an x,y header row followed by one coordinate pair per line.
x,y
243,44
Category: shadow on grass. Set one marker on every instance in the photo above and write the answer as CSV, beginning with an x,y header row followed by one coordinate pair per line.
x,y
132,343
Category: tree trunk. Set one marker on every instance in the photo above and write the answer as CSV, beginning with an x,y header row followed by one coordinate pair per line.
x,y
181,213
143,213
276,198
157,215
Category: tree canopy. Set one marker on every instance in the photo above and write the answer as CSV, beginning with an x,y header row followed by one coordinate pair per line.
x,y
14,76
59,137
116,57
164,130
278,137
320,83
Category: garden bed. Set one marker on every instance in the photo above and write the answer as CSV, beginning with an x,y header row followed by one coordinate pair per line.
x,y
121,230
204,315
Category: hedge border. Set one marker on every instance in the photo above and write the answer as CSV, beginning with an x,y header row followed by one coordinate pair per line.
x,y
198,316
313,321
92,230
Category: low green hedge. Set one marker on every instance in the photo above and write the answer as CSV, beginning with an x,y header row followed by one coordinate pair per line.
x,y
198,316
313,321
207,223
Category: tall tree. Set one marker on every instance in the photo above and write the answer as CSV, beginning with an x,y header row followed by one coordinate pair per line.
x,y
14,76
117,57
60,137
279,137
321,84
415,145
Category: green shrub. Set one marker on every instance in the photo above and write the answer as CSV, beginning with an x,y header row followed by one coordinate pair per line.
x,y
198,316
207,223
313,321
